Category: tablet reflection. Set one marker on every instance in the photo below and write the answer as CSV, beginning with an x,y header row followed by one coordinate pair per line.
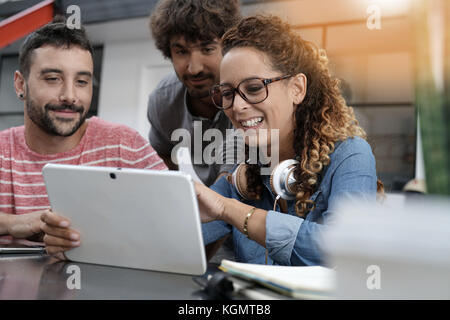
x,y
20,276
59,281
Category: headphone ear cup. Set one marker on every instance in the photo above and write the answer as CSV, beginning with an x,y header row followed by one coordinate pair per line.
x,y
282,179
239,181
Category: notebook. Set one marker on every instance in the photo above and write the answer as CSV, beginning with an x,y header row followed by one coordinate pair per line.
x,y
299,282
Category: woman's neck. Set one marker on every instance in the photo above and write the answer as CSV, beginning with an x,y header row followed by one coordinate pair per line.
x,y
287,154
286,149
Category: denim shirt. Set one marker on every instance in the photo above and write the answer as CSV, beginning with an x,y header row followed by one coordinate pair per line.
x,y
292,240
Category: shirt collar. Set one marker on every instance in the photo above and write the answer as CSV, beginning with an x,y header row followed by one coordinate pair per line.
x,y
216,119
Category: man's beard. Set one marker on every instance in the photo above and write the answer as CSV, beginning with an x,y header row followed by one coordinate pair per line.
x,y
199,92
42,119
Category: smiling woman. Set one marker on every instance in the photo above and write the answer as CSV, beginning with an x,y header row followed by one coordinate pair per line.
x,y
271,80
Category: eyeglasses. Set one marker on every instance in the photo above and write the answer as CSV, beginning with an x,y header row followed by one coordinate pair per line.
x,y
252,90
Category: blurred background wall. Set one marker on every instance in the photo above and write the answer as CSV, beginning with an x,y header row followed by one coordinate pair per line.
x,y
369,43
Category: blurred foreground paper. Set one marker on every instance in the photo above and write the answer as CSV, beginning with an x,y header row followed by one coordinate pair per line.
x,y
383,252
185,164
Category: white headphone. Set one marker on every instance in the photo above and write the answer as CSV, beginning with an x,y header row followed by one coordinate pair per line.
x,y
281,180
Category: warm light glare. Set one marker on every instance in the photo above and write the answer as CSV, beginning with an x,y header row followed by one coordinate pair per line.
x,y
391,6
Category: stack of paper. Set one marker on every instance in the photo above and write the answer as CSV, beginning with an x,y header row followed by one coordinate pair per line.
x,y
298,282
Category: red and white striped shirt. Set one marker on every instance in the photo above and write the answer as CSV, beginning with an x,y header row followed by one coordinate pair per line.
x,y
22,188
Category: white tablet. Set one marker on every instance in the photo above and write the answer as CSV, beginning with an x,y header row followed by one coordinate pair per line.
x,y
132,218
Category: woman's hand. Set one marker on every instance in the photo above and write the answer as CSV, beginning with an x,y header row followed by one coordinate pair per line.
x,y
59,237
211,204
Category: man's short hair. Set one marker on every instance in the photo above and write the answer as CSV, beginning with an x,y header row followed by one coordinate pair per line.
x,y
195,20
54,34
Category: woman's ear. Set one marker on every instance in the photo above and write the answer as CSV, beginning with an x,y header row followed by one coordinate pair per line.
x,y
299,88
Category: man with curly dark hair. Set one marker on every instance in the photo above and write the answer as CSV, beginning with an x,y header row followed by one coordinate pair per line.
x,y
188,33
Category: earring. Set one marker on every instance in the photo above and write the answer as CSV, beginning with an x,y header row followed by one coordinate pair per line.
x,y
21,96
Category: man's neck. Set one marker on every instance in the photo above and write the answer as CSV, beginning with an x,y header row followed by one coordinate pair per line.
x,y
43,143
202,107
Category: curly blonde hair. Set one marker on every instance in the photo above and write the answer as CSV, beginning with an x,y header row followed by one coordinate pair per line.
x,y
321,119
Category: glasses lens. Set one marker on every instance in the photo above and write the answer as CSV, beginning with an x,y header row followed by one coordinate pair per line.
x,y
222,96
254,90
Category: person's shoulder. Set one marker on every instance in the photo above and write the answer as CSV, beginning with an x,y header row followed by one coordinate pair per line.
x,y
110,130
167,86
11,140
7,135
122,142
168,91
5,141
353,145
169,82
350,147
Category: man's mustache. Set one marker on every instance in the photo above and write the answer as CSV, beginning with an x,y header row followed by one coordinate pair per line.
x,y
199,76
70,107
